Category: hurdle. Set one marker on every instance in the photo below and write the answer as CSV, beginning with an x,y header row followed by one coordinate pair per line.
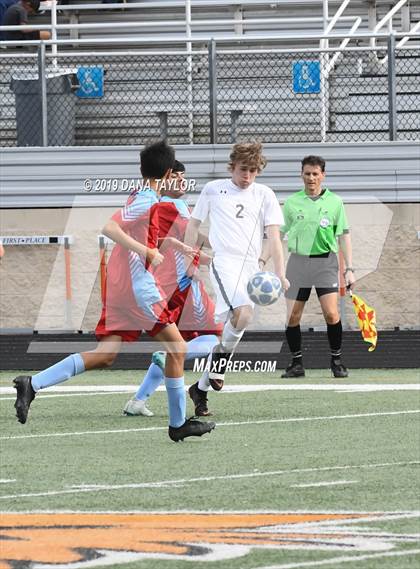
x,y
103,243
66,240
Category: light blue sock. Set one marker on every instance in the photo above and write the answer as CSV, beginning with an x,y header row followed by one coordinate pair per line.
x,y
153,378
201,346
196,348
59,372
177,404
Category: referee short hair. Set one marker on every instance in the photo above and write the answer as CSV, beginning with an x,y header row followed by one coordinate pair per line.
x,y
314,161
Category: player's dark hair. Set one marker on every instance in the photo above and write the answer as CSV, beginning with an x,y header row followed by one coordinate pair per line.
x,y
314,161
178,166
156,159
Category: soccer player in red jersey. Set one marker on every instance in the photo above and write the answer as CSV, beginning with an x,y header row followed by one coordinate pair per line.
x,y
188,301
134,301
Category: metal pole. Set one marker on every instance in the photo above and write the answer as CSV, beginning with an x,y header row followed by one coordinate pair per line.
x,y
102,263
42,79
189,72
54,31
392,89
213,91
324,94
163,121
68,308
325,13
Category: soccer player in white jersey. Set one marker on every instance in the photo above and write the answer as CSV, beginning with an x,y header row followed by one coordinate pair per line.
x,y
240,211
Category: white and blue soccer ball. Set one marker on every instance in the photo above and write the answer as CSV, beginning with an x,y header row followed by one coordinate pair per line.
x,y
264,288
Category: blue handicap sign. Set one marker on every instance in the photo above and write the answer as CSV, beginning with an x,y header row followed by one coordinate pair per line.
x,y
91,81
306,77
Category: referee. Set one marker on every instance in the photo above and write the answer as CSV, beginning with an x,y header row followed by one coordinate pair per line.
x,y
316,225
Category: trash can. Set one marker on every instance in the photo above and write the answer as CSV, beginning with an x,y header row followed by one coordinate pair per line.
x,y
61,108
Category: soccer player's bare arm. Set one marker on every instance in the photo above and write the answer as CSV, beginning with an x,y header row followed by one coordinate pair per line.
x,y
191,233
203,241
265,254
117,234
191,237
166,243
204,258
276,252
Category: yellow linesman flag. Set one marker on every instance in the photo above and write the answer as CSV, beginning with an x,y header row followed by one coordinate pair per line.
x,y
366,318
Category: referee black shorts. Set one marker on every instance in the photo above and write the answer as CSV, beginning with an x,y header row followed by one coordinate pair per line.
x,y
320,271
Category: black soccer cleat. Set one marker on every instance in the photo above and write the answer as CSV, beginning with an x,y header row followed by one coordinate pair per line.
x,y
294,370
199,398
191,428
217,384
338,369
24,397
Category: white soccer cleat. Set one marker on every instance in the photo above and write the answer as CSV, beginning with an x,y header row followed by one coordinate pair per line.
x,y
137,407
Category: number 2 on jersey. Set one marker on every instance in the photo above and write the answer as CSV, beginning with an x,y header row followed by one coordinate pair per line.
x,y
240,208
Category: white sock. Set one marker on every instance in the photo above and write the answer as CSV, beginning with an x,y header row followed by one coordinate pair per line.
x,y
203,382
231,337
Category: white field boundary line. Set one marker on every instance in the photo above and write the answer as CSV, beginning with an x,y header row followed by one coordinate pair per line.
x,y
46,396
232,424
344,559
251,388
373,516
171,483
321,484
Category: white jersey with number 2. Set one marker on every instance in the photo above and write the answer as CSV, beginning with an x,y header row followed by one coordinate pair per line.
x,y
237,217
237,220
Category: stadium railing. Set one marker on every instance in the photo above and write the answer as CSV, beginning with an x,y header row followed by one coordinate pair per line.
x,y
241,16
224,93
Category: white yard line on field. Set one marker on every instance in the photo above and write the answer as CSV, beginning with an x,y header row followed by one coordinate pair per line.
x,y
339,387
318,484
47,396
232,424
345,559
171,483
7,480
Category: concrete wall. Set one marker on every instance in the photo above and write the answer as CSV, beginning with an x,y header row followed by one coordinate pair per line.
x,y
32,281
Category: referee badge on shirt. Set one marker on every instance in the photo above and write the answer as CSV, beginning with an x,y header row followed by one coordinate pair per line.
x,y
324,222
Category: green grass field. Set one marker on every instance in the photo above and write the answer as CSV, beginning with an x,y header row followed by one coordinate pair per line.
x,y
311,473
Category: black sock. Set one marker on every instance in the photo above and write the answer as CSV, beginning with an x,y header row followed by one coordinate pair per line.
x,y
335,334
294,341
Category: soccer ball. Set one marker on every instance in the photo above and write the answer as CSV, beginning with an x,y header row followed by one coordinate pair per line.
x,y
264,288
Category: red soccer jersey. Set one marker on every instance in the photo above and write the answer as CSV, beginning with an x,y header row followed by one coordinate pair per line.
x,y
134,299
173,219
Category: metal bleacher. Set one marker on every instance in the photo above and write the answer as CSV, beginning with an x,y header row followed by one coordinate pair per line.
x,y
217,17
146,94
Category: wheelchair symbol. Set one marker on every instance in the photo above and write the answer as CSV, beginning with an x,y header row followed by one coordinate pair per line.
x,y
306,77
88,85
91,80
305,80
